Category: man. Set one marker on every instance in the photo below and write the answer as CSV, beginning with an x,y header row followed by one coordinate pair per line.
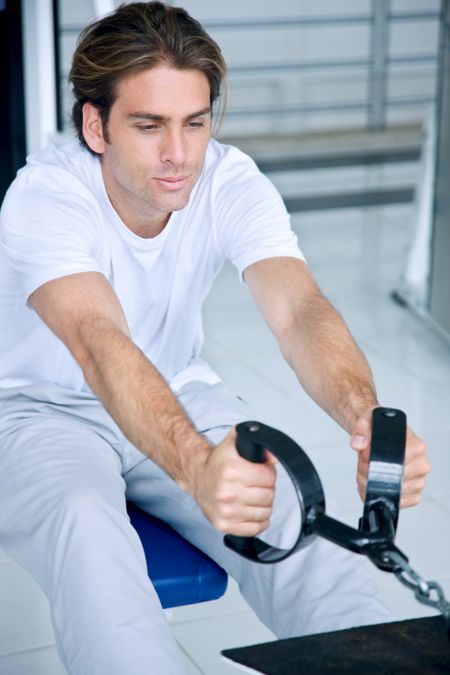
x,y
108,249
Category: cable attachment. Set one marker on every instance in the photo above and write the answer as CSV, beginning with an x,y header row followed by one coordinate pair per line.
x,y
427,592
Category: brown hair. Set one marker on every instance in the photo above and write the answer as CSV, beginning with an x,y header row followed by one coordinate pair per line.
x,y
135,37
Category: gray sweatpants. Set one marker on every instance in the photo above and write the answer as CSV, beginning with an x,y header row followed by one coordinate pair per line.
x,y
66,471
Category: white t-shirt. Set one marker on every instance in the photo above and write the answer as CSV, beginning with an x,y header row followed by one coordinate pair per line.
x,y
57,220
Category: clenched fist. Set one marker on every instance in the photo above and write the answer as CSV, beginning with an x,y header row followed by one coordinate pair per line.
x,y
235,495
416,463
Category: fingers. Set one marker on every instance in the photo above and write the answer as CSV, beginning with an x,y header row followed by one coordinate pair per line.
x,y
416,452
361,478
415,471
244,507
246,521
245,529
269,458
254,475
416,467
257,496
237,495
250,473
412,494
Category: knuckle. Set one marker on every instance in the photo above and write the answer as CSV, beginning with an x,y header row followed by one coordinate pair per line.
x,y
225,511
269,495
411,500
220,524
264,513
415,500
224,495
257,528
427,467
421,447
417,487
251,530
229,473
413,487
419,450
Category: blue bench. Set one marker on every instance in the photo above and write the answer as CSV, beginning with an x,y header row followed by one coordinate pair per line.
x,y
180,572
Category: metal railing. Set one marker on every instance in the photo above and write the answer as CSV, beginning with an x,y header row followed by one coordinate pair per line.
x,y
376,66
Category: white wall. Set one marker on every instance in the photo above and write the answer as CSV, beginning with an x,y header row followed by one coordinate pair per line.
x,y
39,69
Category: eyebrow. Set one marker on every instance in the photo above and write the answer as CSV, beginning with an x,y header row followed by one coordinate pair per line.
x,y
141,115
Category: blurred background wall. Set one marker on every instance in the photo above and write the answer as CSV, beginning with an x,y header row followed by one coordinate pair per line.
x,y
307,65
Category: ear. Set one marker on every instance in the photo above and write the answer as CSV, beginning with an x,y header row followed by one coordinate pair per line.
x,y
93,128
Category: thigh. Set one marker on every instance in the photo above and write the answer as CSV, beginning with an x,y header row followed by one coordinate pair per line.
x,y
49,462
63,518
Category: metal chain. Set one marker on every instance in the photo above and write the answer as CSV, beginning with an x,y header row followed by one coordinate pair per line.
x,y
423,590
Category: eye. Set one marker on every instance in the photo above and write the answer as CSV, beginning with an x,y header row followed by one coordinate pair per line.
x,y
147,127
196,125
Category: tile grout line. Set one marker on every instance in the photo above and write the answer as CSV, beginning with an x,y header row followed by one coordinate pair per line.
x,y
228,614
189,657
18,652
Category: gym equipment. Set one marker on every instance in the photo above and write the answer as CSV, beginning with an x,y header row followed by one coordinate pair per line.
x,y
378,524
180,572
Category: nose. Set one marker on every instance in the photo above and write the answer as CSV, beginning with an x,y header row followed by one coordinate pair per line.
x,y
173,148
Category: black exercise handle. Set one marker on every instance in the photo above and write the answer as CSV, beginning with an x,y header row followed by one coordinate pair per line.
x,y
247,445
253,438
387,456
380,516
253,451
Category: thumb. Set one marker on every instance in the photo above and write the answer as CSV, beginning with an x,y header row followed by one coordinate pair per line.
x,y
269,458
362,432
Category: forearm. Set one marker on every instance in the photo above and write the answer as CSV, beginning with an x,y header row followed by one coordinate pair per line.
x,y
328,363
140,401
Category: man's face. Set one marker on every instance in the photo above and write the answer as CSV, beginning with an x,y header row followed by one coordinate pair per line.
x,y
158,132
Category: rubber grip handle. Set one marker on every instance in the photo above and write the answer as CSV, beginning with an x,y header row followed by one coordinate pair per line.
x,y
247,448
253,452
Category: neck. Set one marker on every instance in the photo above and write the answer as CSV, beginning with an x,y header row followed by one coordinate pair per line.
x,y
143,224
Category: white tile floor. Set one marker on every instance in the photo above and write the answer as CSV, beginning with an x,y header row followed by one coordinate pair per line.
x,y
357,256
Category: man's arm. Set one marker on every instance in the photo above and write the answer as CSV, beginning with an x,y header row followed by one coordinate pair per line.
x,y
85,313
331,368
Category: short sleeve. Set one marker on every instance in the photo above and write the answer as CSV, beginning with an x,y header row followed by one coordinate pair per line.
x,y
48,228
252,222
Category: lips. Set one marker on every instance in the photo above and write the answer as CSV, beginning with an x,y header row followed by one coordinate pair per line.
x,y
172,183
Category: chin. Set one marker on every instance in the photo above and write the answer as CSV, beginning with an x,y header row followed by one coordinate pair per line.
x,y
176,203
